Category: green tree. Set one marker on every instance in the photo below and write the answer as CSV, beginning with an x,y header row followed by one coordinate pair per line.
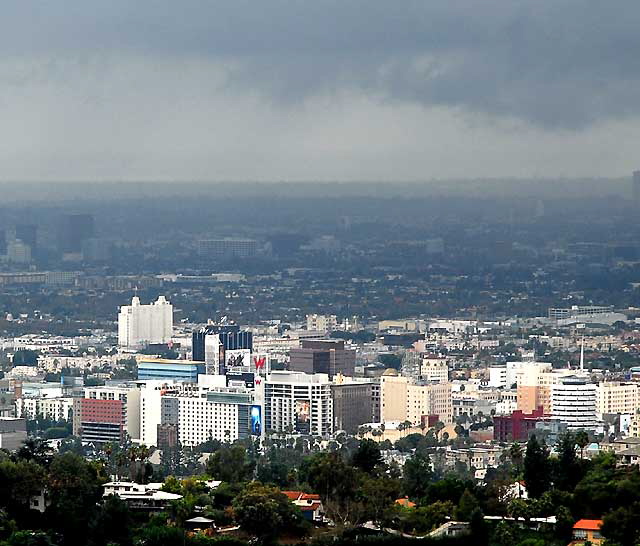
x,y
74,489
418,475
467,504
517,457
379,493
582,439
29,538
536,468
622,526
367,457
36,450
230,464
338,485
112,524
265,512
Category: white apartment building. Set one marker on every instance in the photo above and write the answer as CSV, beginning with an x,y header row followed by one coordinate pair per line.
x,y
298,402
150,409
56,409
130,398
573,402
498,376
617,397
139,324
322,323
220,413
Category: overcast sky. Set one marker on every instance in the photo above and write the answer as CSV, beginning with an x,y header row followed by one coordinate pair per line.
x,y
318,90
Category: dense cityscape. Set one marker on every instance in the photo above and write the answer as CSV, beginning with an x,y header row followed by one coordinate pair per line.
x,y
332,273
412,370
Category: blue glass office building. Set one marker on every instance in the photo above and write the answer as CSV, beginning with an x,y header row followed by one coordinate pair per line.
x,y
179,370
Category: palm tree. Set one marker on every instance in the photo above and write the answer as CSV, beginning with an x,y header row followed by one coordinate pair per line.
x,y
121,462
582,439
516,453
132,453
143,455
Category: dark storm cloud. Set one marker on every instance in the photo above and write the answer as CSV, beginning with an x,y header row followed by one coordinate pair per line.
x,y
553,63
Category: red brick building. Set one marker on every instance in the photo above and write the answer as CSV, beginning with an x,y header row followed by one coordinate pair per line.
x,y
516,427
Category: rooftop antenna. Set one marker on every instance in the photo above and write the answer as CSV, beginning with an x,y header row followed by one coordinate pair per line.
x,y
582,355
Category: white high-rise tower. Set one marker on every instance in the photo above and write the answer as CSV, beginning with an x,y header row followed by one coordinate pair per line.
x,y
139,325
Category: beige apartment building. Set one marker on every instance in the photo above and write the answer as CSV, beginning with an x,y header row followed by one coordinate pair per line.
x,y
401,399
617,397
434,369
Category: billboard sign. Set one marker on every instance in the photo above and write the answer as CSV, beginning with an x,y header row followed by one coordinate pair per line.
x,y
236,359
240,379
303,416
255,420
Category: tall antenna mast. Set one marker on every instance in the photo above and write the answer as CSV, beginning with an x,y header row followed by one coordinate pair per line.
x,y
582,355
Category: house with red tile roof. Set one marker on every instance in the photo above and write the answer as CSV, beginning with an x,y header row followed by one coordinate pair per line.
x,y
309,504
587,530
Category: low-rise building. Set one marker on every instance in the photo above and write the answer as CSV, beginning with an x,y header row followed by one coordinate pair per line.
x,y
587,531
147,498
13,432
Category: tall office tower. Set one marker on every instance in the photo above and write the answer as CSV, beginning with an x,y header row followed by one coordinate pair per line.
x,y
353,404
28,234
635,187
573,402
323,356
73,230
139,325
223,348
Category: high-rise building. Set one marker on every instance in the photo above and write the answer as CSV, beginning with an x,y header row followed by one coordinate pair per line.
x,y
434,369
28,234
227,248
221,414
323,356
73,230
617,397
573,402
403,399
18,252
139,325
98,421
223,348
129,396
298,403
353,404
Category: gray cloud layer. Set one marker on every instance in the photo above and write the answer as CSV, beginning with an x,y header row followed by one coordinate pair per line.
x,y
550,67
563,63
